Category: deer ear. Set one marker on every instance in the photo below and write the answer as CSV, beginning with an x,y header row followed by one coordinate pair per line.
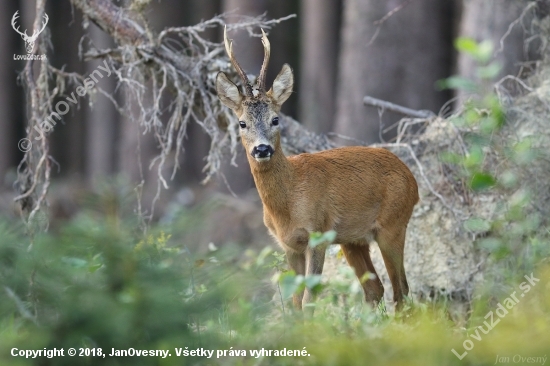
x,y
228,92
282,85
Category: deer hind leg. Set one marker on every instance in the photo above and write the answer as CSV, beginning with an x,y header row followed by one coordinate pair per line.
x,y
392,246
358,257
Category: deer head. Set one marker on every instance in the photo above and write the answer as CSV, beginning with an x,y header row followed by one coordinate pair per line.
x,y
256,109
29,41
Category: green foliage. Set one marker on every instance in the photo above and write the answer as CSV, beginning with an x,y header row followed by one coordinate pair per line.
x,y
95,285
493,162
291,283
316,238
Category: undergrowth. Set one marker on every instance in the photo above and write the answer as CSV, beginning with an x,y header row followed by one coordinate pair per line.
x,y
97,284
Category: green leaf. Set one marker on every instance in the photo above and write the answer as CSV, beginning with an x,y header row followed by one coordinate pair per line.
x,y
481,52
262,256
484,51
456,82
471,116
450,158
520,198
477,225
367,276
94,267
497,112
488,125
474,158
317,238
490,71
74,262
490,244
481,181
523,152
508,179
312,281
477,140
290,283
466,44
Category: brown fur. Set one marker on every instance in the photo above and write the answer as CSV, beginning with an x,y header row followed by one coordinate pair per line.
x,y
364,194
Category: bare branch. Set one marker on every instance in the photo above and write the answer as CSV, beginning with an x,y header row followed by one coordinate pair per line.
x,y
33,172
392,12
513,24
397,108
382,20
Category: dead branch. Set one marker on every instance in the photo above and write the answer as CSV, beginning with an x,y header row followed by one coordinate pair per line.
x,y
179,60
382,104
34,169
378,23
392,12
513,24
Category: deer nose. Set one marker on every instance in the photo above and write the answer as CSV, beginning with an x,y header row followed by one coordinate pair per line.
x,y
262,151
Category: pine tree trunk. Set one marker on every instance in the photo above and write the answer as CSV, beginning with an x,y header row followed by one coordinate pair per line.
x,y
8,84
410,51
101,120
320,22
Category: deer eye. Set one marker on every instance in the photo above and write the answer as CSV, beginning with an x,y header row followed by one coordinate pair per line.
x,y
275,121
242,124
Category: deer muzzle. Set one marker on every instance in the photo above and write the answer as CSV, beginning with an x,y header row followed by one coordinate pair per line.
x,y
262,152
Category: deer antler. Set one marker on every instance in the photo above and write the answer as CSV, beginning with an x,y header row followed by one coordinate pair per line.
x,y
229,50
13,20
263,71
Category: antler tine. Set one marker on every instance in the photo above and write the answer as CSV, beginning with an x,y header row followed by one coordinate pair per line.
x,y
229,50
263,71
13,20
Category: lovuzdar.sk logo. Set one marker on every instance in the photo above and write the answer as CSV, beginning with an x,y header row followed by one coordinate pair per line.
x,y
29,40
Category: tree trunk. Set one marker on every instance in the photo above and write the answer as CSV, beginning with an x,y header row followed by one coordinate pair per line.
x,y
68,139
198,143
285,48
398,60
8,99
101,119
490,20
319,31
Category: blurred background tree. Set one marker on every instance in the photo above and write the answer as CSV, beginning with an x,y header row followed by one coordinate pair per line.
x,y
340,50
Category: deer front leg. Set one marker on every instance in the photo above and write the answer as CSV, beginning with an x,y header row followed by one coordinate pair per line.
x,y
297,263
295,246
315,259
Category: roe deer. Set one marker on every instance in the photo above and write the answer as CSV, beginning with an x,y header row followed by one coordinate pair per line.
x,y
365,194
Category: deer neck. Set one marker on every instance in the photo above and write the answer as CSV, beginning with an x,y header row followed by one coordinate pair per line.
x,y
274,180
